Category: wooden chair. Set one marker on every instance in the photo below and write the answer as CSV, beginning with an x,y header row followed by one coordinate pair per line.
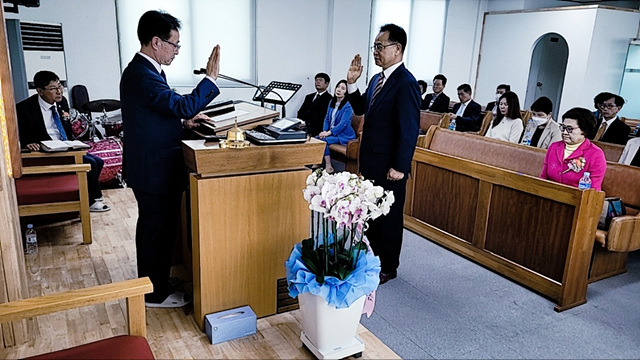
x,y
55,183
132,346
428,118
350,154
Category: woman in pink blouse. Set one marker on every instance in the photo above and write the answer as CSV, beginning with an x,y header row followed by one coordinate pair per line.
x,y
567,160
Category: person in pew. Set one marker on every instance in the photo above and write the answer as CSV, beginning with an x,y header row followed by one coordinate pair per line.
x,y
507,126
541,129
423,87
337,124
566,161
42,117
501,89
610,128
391,108
314,107
152,115
466,112
437,101
630,154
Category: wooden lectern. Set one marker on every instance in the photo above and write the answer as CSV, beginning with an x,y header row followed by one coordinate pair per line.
x,y
247,212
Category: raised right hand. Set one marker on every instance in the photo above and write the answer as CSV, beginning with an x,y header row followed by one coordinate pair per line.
x,y
213,65
355,70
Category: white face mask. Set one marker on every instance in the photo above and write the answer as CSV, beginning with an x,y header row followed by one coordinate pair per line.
x,y
498,97
537,121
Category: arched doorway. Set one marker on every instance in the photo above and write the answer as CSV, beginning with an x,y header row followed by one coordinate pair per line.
x,y
547,70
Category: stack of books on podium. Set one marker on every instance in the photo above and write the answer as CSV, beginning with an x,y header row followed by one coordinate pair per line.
x,y
222,116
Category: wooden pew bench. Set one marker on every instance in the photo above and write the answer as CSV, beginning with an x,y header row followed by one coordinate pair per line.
x,y
482,198
350,153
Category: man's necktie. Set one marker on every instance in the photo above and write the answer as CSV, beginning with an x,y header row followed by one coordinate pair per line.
x,y
316,97
461,110
56,120
378,87
164,76
601,130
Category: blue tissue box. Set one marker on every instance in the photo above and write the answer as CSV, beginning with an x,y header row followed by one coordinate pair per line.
x,y
230,324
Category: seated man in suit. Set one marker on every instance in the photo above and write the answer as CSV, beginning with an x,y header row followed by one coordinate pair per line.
x,y
610,128
315,105
40,118
466,112
437,101
501,89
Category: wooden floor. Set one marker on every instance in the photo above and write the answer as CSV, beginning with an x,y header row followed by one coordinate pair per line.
x,y
63,263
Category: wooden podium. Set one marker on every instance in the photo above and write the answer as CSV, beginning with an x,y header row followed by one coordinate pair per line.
x,y
247,212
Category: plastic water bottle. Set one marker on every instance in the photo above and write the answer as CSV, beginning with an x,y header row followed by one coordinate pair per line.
x,y
31,240
452,124
526,140
585,181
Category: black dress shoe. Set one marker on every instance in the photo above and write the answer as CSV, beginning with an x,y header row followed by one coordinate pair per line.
x,y
386,277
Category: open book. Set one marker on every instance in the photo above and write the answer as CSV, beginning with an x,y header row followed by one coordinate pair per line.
x,y
62,145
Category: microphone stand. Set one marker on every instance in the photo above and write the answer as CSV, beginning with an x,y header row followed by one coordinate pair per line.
x,y
260,88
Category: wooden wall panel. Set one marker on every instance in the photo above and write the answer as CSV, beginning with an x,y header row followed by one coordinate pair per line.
x,y
450,201
519,229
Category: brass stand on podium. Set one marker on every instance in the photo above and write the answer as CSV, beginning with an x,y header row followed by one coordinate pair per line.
x,y
247,212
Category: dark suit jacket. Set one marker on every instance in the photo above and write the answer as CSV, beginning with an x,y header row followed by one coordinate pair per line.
x,y
151,115
391,124
31,123
490,106
441,104
470,119
617,133
314,112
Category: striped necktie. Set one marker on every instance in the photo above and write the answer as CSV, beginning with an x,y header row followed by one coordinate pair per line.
x,y
378,87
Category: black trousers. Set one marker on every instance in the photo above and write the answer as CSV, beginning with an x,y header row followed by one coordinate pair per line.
x,y
385,232
93,175
156,231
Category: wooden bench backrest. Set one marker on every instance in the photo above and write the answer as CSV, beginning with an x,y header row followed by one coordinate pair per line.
x,y
622,181
486,121
357,122
631,122
612,152
524,159
428,118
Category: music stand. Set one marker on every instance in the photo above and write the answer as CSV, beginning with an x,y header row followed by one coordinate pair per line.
x,y
278,93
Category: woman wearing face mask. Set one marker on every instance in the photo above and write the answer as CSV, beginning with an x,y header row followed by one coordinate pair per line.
x,y
566,161
507,125
337,124
541,130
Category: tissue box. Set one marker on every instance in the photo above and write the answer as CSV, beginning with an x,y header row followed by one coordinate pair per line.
x,y
230,324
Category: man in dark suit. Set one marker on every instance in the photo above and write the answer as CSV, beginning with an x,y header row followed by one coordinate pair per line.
x,y
466,112
152,115
315,105
391,108
45,116
610,128
501,89
437,101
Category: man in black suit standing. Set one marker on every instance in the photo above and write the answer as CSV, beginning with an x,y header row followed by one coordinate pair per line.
x,y
437,101
610,128
44,116
315,105
466,112
391,108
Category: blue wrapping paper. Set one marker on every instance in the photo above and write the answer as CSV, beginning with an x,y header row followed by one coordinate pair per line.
x,y
339,293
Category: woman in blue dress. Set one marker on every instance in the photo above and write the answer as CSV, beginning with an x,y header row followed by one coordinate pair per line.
x,y
337,124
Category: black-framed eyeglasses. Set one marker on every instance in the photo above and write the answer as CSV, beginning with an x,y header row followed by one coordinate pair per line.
x,y
379,47
177,46
54,88
568,129
608,106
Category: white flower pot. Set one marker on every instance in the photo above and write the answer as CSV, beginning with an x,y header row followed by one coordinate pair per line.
x,y
325,326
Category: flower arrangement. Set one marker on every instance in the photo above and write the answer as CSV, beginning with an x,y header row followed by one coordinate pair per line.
x,y
336,262
576,165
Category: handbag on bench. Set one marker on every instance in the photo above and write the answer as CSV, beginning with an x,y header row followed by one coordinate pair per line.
x,y
612,207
